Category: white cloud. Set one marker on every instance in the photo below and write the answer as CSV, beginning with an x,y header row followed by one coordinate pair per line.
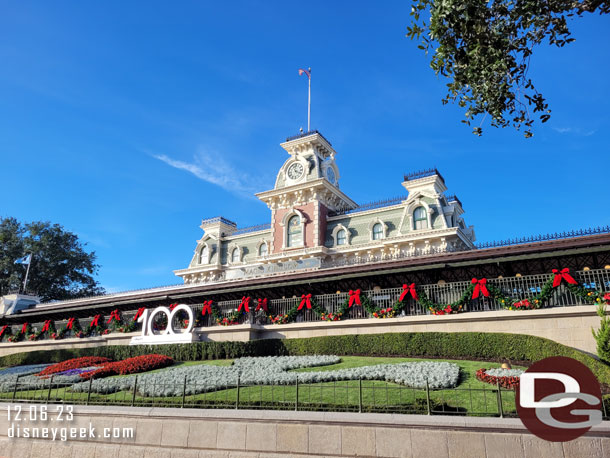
x,y
214,170
574,131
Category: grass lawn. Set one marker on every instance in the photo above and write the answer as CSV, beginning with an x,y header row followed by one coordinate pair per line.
x,y
471,397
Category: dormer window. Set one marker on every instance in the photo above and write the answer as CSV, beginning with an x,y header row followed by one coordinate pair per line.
x,y
377,231
294,236
420,218
341,237
204,255
263,250
235,255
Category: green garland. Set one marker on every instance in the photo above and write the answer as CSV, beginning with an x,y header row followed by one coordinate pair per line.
x,y
8,332
536,301
77,330
230,320
292,314
20,335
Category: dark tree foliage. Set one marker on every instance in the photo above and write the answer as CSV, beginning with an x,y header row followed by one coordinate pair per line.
x,y
60,267
484,48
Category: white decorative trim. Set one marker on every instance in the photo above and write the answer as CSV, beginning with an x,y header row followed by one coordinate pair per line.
x,y
408,215
348,235
383,225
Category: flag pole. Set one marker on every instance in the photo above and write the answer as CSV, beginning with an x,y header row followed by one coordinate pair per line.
x,y
27,272
309,103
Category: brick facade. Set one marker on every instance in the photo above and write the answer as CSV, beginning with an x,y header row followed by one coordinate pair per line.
x,y
310,238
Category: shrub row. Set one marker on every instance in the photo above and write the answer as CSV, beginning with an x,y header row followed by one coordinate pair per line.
x,y
461,345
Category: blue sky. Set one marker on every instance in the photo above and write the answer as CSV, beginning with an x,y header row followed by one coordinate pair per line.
x,y
129,122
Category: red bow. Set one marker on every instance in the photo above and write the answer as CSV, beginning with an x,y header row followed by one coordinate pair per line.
x,y
245,303
70,323
114,315
207,307
24,328
354,297
406,289
262,303
173,306
3,329
305,300
139,313
45,326
480,287
95,321
563,275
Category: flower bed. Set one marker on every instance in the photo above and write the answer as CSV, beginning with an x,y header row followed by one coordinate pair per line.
x,y
385,313
75,363
59,379
133,365
11,373
273,370
507,378
330,316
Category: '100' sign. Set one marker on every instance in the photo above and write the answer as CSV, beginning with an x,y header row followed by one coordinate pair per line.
x,y
148,318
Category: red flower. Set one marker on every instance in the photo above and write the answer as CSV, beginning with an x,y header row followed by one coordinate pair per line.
x,y
74,363
510,383
131,366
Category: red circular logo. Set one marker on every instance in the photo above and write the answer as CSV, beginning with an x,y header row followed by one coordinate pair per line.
x,y
559,399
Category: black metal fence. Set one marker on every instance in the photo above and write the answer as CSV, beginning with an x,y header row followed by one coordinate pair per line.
x,y
517,287
338,396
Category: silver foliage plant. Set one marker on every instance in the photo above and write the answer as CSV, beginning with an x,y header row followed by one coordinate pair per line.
x,y
504,372
33,382
9,375
273,371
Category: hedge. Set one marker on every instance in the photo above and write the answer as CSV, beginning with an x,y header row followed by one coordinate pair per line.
x,y
461,345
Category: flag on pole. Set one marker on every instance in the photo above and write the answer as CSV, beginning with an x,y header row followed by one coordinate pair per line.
x,y
302,71
25,260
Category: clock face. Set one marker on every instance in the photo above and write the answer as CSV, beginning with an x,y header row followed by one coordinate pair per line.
x,y
330,175
295,171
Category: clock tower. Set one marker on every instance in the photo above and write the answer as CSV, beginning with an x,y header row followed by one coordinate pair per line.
x,y
306,189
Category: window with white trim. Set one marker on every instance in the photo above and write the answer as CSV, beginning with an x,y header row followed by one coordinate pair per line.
x,y
262,250
377,231
235,255
341,237
294,234
204,255
420,218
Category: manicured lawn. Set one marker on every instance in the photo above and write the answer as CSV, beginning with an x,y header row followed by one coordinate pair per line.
x,y
471,397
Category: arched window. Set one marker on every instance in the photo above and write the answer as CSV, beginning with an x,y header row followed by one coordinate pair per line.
x,y
420,218
341,237
295,234
204,255
235,255
262,250
377,231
